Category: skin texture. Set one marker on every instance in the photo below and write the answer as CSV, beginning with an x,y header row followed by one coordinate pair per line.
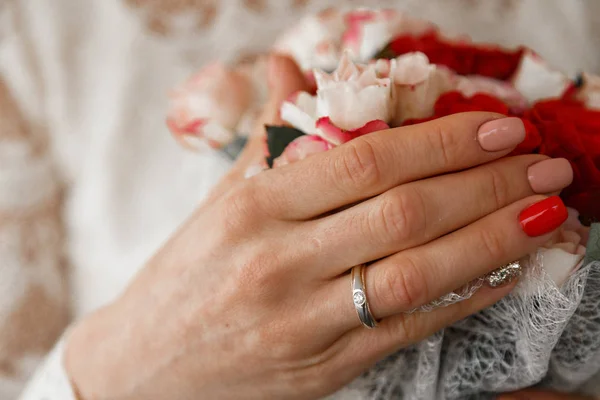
x,y
262,307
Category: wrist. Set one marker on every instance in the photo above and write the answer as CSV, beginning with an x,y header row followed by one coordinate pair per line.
x,y
91,358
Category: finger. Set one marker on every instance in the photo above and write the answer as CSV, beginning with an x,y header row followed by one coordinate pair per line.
x,y
365,347
285,79
374,163
415,277
416,213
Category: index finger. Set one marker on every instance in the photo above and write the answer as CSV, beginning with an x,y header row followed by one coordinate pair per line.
x,y
374,163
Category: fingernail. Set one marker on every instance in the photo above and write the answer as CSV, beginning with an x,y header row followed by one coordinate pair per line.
x,y
550,175
504,275
501,134
543,217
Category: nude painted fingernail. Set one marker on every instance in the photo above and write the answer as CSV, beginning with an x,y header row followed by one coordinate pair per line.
x,y
501,134
550,175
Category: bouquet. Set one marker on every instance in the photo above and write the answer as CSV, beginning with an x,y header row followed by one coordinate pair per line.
x,y
375,69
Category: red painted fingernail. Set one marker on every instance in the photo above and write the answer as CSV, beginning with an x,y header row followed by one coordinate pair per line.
x,y
543,217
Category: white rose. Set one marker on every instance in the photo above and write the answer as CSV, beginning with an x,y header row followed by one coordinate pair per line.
x,y
535,80
353,95
417,84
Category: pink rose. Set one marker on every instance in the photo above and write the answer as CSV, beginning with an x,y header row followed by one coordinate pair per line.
x,y
347,103
350,102
368,31
209,106
318,41
471,85
417,84
353,95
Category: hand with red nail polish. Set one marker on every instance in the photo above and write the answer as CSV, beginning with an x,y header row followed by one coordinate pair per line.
x,y
265,302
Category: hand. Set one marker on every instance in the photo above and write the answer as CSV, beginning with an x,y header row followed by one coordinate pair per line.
x,y
530,394
251,300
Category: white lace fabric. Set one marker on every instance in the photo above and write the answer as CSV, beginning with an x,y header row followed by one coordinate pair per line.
x,y
538,334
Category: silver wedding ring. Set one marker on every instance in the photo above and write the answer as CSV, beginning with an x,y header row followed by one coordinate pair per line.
x,y
359,297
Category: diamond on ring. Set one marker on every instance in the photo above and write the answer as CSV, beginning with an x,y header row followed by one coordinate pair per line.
x,y
359,297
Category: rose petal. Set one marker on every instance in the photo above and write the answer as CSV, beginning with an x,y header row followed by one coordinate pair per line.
x,y
417,85
353,95
471,85
199,134
314,41
301,148
300,112
210,105
371,126
336,136
370,30
559,264
535,80
461,56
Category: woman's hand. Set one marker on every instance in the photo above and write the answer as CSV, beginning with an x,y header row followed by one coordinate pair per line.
x,y
251,298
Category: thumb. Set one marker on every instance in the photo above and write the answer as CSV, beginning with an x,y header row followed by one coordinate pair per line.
x,y
285,79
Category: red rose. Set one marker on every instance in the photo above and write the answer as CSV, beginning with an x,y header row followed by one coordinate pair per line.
x,y
570,130
463,57
455,102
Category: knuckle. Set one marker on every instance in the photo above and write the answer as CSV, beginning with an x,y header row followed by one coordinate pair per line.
x,y
492,243
499,187
404,286
402,215
358,167
258,276
446,143
239,208
409,328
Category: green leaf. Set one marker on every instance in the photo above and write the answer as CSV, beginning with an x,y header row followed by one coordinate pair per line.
x,y
386,53
278,138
